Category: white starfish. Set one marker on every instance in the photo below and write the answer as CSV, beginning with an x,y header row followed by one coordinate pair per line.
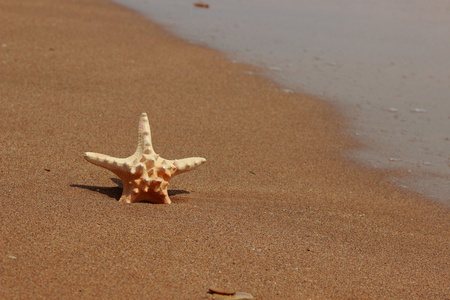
x,y
145,175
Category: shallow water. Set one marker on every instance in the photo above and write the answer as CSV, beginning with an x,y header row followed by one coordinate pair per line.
x,y
385,64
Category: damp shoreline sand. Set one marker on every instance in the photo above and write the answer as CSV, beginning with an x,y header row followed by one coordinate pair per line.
x,y
276,211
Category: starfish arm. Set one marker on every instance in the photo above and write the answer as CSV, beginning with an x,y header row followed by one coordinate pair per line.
x,y
144,137
115,165
187,164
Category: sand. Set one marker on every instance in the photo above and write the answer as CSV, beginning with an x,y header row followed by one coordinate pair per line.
x,y
276,211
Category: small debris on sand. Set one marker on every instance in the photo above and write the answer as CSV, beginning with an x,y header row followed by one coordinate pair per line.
x,y
216,290
202,5
222,294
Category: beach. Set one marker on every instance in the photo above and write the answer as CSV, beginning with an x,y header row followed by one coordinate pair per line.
x,y
276,211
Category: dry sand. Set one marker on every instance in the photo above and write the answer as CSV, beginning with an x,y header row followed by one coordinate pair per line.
x,y
276,211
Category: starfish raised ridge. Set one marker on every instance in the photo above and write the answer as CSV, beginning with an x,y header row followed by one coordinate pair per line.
x,y
145,175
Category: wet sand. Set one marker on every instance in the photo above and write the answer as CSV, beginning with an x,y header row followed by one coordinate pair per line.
x,y
276,211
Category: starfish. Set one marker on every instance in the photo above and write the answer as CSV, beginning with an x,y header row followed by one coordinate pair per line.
x,y
145,175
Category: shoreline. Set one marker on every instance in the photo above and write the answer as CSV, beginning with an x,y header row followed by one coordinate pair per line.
x,y
394,95
276,211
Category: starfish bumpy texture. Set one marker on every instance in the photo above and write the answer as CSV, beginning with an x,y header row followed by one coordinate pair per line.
x,y
145,175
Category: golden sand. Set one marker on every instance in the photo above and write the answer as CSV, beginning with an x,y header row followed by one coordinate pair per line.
x,y
276,212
